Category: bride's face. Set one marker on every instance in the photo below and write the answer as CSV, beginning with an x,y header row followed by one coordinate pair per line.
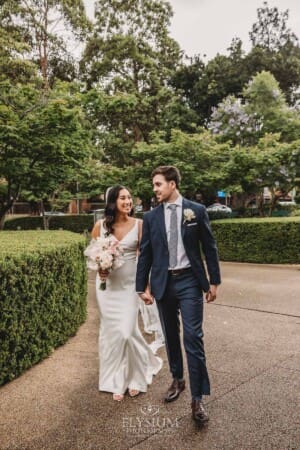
x,y
124,202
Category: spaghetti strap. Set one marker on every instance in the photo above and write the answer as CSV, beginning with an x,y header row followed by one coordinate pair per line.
x,y
101,234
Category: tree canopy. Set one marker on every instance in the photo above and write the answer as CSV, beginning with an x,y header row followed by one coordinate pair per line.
x,y
134,101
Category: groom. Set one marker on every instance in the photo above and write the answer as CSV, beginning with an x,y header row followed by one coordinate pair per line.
x,y
170,250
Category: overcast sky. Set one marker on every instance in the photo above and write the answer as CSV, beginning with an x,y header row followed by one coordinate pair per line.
x,y
207,27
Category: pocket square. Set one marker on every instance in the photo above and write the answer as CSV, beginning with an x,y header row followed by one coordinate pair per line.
x,y
191,224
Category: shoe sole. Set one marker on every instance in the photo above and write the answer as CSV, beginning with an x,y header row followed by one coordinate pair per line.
x,y
199,421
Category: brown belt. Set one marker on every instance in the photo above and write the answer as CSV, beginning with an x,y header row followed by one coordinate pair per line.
x,y
176,272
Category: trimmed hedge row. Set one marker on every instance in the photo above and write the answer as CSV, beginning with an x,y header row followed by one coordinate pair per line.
x,y
43,291
75,223
266,241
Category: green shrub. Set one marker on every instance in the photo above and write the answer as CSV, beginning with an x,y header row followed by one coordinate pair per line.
x,y
43,289
75,223
24,223
268,240
215,215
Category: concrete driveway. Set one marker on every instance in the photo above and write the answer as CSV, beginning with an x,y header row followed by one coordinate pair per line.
x,y
252,345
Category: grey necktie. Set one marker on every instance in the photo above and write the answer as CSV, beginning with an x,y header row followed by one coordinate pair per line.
x,y
173,241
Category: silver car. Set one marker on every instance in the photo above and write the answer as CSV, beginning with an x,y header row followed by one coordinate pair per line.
x,y
218,207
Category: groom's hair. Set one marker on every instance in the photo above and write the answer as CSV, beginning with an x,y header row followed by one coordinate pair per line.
x,y
171,173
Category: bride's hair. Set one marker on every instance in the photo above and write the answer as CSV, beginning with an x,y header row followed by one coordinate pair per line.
x,y
111,207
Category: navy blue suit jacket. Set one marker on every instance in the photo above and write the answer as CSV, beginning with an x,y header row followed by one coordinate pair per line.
x,y
154,254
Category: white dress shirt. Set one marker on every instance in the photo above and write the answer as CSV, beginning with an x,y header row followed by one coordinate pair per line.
x,y
182,259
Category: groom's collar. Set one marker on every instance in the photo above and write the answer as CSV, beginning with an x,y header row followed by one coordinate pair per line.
x,y
177,202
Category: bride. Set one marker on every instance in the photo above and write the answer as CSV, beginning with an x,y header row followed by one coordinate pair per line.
x,y
126,360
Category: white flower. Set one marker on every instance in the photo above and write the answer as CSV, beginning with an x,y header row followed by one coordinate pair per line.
x,y
188,215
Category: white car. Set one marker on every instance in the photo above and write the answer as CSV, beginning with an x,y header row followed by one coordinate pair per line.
x,y
217,207
286,203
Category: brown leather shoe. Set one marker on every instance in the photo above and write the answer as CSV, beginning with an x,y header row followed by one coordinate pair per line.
x,y
198,412
174,390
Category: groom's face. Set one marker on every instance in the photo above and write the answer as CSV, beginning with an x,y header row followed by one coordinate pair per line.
x,y
163,189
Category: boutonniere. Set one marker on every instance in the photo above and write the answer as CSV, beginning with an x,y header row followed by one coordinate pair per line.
x,y
188,215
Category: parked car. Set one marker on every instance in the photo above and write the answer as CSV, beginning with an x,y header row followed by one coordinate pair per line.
x,y
286,203
218,207
218,211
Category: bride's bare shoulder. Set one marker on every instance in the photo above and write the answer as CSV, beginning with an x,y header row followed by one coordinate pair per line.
x,y
96,229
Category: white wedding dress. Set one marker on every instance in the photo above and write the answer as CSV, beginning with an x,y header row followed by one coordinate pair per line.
x,y
151,321
126,360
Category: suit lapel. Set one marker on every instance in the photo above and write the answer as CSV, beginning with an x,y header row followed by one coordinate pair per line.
x,y
161,223
183,227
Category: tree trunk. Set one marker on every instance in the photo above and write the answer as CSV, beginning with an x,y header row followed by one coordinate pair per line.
x,y
238,200
272,204
41,31
3,211
45,218
2,220
260,204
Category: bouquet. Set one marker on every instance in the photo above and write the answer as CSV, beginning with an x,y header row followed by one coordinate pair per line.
x,y
104,253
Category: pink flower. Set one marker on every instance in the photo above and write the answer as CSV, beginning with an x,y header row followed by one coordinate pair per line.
x,y
104,254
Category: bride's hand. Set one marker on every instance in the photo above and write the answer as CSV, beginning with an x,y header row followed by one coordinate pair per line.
x,y
103,274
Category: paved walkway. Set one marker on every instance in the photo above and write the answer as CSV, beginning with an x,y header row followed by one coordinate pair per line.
x,y
252,344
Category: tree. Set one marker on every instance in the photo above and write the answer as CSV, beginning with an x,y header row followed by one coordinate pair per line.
x,y
185,82
198,157
262,110
128,60
40,23
204,86
13,47
280,166
264,98
276,49
43,140
269,164
97,177
271,31
230,121
284,64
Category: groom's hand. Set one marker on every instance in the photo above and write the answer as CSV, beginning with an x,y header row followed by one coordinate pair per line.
x,y
146,297
211,295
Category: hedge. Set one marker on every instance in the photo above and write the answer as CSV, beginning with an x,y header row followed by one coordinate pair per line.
x,y
75,223
43,291
268,240
263,240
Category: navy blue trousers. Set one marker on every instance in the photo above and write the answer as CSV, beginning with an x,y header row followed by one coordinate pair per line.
x,y
184,296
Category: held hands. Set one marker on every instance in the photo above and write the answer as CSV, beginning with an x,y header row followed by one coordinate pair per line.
x,y
211,295
146,297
